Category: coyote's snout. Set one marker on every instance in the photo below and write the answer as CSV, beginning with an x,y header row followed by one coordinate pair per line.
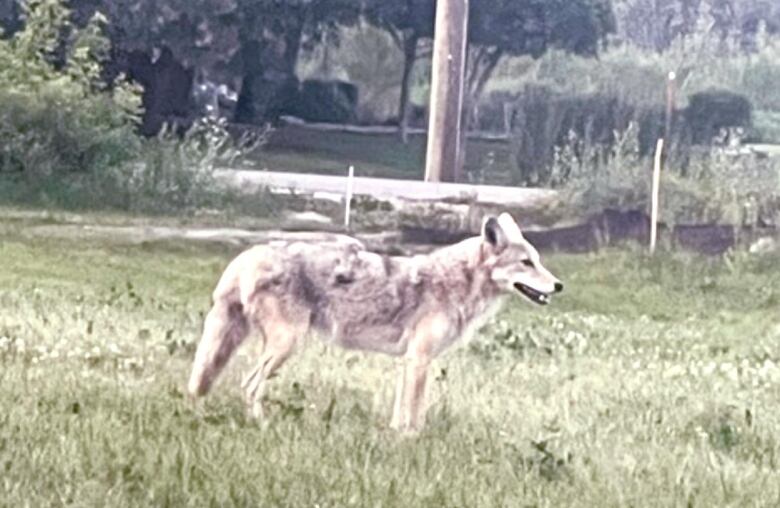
x,y
412,307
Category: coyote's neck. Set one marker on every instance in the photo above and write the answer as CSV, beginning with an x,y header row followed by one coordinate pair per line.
x,y
460,277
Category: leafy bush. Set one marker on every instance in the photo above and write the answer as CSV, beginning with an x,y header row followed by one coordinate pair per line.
x,y
68,139
753,75
710,111
56,116
547,123
596,176
175,173
325,101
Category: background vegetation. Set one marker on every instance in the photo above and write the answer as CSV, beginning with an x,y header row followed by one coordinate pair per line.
x,y
580,109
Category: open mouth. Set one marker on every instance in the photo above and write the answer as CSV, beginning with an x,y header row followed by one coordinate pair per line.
x,y
535,296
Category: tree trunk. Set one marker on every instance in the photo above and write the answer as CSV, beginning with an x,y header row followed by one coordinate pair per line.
x,y
251,51
410,55
292,48
484,63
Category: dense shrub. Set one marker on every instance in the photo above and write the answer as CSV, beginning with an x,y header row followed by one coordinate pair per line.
x,y
639,77
68,139
545,121
326,101
710,111
176,172
60,118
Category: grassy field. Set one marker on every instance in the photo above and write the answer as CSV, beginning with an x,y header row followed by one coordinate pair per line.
x,y
304,150
650,382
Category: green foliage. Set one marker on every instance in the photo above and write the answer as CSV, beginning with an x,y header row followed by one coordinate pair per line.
x,y
215,35
496,28
10,13
754,75
716,186
545,121
599,176
711,111
176,173
699,184
406,17
60,119
658,24
531,27
639,76
68,139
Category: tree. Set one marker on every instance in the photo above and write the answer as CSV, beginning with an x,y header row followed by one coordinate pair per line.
x,y
407,21
656,24
251,45
526,27
272,34
529,27
496,28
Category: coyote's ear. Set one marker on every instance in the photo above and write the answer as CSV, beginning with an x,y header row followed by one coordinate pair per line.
x,y
493,234
510,227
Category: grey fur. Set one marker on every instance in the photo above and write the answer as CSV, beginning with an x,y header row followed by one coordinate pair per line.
x,y
413,307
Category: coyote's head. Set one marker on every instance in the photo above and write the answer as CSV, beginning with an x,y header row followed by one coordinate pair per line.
x,y
514,263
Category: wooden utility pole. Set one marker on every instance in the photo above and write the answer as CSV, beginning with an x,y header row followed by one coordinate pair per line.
x,y
671,92
446,103
660,156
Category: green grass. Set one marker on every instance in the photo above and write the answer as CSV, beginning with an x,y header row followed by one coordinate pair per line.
x,y
304,150
649,382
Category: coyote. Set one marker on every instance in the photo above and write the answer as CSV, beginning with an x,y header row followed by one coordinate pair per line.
x,y
411,307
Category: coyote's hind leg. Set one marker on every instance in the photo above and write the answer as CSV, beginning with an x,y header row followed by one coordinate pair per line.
x,y
281,337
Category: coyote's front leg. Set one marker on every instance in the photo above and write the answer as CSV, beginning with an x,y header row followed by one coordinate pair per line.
x,y
409,407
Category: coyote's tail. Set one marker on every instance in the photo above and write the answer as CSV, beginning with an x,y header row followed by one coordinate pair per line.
x,y
224,330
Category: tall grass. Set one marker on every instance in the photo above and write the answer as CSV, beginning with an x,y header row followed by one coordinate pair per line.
x,y
712,186
649,382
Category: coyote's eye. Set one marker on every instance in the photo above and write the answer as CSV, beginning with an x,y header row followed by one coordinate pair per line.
x,y
527,262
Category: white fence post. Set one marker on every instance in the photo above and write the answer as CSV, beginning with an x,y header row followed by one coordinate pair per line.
x,y
347,205
654,196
